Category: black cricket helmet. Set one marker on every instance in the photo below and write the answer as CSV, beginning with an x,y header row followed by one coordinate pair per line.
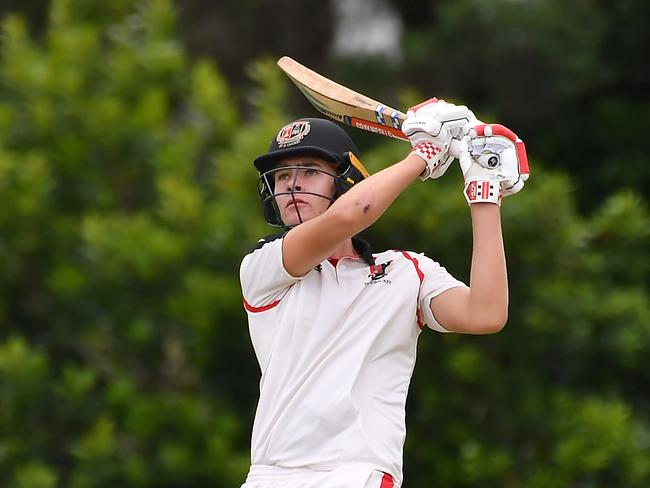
x,y
308,137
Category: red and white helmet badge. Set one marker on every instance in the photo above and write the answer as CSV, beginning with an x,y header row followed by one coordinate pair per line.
x,y
291,134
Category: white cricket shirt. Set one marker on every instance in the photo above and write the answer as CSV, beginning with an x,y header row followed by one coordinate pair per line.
x,y
337,349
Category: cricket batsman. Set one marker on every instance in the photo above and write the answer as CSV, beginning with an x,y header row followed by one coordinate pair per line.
x,y
335,324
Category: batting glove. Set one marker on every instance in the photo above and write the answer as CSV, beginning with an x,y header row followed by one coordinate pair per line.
x,y
431,128
494,165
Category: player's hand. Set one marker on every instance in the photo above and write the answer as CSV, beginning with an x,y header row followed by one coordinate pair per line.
x,y
494,163
431,128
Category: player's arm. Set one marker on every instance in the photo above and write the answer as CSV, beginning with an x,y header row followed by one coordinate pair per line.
x,y
309,243
494,165
483,307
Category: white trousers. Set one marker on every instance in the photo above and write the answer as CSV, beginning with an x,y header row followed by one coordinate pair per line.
x,y
343,477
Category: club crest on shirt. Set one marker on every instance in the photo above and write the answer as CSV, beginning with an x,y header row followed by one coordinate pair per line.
x,y
291,134
378,273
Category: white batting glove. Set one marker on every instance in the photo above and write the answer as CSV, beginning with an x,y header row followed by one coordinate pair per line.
x,y
437,159
431,127
494,165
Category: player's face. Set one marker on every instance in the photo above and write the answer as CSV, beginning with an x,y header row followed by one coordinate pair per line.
x,y
303,187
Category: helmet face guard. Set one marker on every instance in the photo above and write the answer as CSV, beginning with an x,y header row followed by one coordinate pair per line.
x,y
268,193
347,175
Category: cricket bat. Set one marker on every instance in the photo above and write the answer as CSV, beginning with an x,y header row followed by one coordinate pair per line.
x,y
349,107
340,103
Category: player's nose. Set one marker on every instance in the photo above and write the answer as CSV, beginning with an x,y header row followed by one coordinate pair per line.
x,y
295,184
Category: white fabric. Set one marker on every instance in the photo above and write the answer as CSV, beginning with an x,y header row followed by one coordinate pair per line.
x,y
337,351
348,476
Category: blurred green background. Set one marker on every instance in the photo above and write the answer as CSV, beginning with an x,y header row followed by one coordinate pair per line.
x,y
128,198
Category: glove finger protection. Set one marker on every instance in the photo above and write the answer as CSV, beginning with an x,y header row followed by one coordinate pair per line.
x,y
431,127
438,119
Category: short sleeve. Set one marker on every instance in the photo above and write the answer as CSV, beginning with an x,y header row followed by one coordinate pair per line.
x,y
435,280
264,280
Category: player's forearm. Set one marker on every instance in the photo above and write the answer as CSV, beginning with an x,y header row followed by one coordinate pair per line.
x,y
488,300
365,202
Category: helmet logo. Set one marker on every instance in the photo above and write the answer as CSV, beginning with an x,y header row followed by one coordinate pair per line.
x,y
291,134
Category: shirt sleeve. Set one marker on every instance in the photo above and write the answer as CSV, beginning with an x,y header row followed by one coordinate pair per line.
x,y
435,280
264,280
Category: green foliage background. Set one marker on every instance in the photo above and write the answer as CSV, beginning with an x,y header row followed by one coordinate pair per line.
x,y
128,200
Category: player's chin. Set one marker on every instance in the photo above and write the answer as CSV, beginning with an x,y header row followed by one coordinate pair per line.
x,y
292,218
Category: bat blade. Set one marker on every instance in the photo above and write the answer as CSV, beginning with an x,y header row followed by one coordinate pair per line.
x,y
340,103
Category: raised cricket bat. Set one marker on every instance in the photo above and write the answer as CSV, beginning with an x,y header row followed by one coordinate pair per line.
x,y
342,104
349,107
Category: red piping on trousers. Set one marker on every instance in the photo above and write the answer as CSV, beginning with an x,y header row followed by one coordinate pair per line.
x,y
387,481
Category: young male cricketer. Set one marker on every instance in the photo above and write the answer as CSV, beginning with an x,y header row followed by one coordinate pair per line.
x,y
334,325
